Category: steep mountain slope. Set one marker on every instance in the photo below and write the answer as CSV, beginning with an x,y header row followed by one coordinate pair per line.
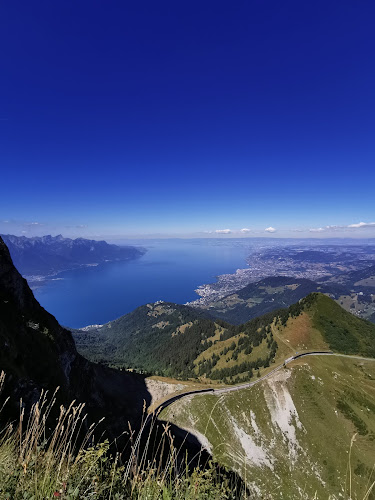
x,y
51,254
268,295
342,331
290,435
37,353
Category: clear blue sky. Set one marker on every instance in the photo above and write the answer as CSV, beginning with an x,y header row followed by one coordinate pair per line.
x,y
183,118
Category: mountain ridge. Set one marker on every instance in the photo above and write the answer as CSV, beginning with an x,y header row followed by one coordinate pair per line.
x,y
46,255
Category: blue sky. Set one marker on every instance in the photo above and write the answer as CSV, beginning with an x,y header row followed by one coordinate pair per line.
x,y
187,118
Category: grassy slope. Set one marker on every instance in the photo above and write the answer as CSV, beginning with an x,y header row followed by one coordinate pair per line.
x,y
320,403
342,331
297,427
322,325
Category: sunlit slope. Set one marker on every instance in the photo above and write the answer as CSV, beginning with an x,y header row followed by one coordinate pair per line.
x,y
315,323
341,330
322,323
289,436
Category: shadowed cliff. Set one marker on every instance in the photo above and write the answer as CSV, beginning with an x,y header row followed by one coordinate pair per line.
x,y
37,353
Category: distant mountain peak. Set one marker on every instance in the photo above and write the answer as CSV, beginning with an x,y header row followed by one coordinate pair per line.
x,y
45,255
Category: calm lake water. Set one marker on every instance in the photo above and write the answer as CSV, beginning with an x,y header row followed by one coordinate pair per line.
x,y
170,270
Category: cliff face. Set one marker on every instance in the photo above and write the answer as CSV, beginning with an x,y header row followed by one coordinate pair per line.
x,y
37,353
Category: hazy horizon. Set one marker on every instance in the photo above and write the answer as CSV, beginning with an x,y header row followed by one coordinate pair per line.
x,y
117,239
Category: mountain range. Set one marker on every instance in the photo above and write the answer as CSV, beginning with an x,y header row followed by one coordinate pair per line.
x,y
48,255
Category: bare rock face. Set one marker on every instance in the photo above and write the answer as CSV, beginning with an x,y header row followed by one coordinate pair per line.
x,y
37,353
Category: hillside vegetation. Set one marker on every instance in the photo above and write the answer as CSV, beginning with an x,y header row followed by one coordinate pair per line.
x,y
178,341
160,338
341,330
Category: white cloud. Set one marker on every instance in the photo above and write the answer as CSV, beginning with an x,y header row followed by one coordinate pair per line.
x,y
223,231
361,224
245,230
326,228
270,229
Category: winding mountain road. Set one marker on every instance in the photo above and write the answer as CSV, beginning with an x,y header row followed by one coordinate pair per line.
x,y
225,390
218,392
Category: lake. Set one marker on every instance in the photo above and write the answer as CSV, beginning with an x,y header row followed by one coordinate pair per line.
x,y
170,270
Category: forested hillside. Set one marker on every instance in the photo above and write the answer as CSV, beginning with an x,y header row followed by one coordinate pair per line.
x,y
178,341
160,338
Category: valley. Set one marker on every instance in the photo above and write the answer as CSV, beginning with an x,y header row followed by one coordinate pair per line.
x,y
288,394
